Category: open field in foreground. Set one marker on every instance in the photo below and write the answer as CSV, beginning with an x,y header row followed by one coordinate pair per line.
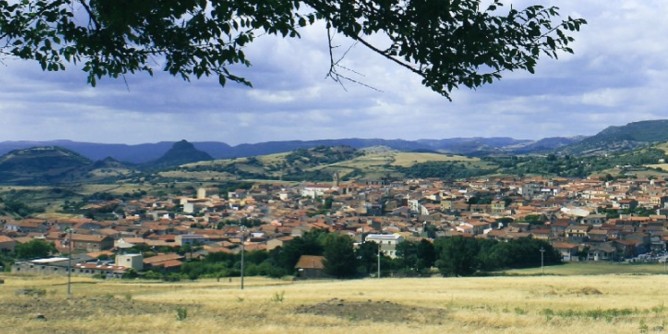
x,y
524,304
593,268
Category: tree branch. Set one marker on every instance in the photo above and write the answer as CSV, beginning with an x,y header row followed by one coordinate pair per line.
x,y
90,14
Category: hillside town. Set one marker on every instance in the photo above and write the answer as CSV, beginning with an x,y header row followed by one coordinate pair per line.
x,y
583,219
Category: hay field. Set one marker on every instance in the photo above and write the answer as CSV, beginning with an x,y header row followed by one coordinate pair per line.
x,y
405,159
528,304
662,146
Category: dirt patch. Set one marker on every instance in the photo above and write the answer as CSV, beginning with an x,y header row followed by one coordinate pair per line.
x,y
51,308
376,311
587,291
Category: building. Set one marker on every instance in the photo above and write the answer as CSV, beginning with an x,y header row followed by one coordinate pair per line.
x,y
59,265
310,266
91,243
201,193
133,261
190,239
7,244
387,243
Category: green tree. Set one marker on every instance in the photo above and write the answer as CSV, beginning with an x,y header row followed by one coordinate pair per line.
x,y
446,43
407,257
367,257
34,249
340,260
457,256
426,254
415,257
311,243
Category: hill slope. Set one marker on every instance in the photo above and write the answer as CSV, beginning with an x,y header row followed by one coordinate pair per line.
x,y
182,152
621,138
39,165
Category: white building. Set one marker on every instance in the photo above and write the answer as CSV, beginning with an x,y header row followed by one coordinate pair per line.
x,y
134,261
388,243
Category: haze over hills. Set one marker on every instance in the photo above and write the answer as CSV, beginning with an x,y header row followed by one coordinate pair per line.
x,y
615,138
144,153
319,159
57,165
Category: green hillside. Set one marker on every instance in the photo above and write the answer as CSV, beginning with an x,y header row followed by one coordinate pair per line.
x,y
621,138
41,165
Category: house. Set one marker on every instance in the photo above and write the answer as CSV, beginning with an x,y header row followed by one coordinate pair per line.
x,y
91,243
27,226
310,266
498,207
628,248
133,261
7,244
568,251
594,219
189,239
657,245
605,251
103,270
387,242
577,233
169,261
473,227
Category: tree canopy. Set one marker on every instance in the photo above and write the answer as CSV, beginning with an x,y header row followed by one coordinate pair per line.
x,y
340,260
447,43
34,249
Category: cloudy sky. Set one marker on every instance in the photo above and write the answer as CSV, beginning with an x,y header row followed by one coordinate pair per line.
x,y
619,74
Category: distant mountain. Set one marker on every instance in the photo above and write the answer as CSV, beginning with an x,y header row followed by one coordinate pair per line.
x,y
247,150
473,145
546,145
108,163
144,153
41,165
621,138
180,153
137,154
612,139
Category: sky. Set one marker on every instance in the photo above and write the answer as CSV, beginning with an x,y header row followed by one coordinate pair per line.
x,y
618,74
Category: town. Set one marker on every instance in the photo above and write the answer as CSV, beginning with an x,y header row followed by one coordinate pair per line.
x,y
590,219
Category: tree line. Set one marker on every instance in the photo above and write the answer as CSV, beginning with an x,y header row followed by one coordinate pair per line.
x,y
449,256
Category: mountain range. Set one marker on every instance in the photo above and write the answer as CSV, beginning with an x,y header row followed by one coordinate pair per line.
x,y
144,153
67,161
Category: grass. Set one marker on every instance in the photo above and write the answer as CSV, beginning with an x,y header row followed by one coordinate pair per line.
x,y
404,159
589,268
619,303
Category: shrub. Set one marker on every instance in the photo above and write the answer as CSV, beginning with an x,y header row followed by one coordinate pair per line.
x,y
181,313
278,297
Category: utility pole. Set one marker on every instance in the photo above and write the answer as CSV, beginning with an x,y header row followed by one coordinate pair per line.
x,y
69,263
379,260
542,263
243,238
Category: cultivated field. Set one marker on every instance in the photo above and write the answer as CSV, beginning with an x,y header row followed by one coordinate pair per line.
x,y
607,303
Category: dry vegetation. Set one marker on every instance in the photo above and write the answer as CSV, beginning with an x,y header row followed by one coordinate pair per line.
x,y
528,304
410,159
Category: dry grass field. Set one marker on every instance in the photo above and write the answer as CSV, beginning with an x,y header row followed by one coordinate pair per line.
x,y
524,304
405,159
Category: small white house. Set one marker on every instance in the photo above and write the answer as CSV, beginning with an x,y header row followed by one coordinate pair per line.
x,y
134,261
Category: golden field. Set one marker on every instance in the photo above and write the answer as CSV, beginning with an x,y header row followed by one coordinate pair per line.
x,y
609,303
